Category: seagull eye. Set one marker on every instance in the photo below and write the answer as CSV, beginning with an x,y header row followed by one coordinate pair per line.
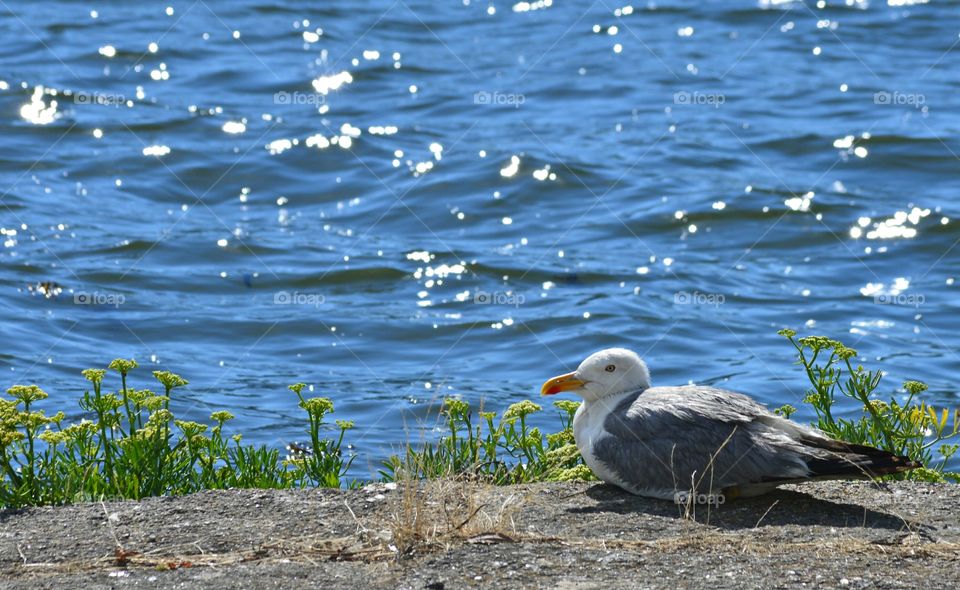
x,y
610,368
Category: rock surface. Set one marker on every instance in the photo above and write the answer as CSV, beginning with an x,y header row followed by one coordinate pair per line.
x,y
454,535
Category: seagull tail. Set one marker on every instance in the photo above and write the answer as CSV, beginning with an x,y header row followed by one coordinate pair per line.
x,y
851,460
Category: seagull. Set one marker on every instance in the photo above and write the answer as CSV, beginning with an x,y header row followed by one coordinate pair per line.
x,y
669,442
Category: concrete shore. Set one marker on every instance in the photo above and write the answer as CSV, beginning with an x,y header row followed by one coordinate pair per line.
x,y
454,535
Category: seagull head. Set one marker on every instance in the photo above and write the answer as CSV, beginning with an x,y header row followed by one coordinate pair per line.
x,y
608,372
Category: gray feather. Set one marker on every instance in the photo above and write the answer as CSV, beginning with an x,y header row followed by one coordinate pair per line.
x,y
665,440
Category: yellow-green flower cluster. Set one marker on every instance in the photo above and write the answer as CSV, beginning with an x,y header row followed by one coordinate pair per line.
x,y
564,437
155,402
8,437
317,406
567,405
520,410
575,473
169,380
454,407
34,420
54,437
159,418
27,393
190,429
221,416
122,366
94,376
139,396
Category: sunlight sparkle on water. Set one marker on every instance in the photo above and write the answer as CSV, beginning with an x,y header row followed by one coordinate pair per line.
x,y
801,203
235,127
894,227
844,142
318,141
350,130
324,84
422,167
512,168
37,111
529,6
382,130
156,150
899,285
544,174
420,256
278,146
161,73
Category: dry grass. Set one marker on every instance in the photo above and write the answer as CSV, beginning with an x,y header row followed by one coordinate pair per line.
x,y
436,514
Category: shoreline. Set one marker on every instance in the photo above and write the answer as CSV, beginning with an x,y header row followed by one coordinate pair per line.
x,y
449,534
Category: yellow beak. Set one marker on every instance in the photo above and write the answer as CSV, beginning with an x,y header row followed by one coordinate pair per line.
x,y
561,383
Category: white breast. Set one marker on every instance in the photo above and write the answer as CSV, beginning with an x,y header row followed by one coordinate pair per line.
x,y
588,429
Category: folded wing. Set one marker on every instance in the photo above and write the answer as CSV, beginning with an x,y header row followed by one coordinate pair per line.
x,y
673,439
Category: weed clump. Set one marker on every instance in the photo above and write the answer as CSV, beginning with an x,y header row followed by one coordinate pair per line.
x,y
131,445
903,427
502,452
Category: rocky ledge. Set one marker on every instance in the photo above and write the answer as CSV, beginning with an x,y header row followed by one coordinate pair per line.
x,y
450,534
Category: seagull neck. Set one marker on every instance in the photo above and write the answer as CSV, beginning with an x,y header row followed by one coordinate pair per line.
x,y
610,401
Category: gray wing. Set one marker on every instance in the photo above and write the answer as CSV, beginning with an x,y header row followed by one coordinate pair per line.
x,y
672,439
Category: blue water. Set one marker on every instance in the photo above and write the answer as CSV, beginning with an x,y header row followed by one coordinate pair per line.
x,y
501,192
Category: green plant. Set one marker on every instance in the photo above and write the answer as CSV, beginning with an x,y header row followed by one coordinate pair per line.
x,y
323,465
903,426
130,445
502,452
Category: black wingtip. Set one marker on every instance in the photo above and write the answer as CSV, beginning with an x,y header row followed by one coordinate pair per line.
x,y
853,460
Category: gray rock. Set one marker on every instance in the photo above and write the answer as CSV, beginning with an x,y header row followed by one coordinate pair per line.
x,y
451,534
